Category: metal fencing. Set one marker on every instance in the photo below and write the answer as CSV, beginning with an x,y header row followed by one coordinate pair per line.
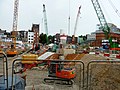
x,y
103,75
98,75
3,71
35,75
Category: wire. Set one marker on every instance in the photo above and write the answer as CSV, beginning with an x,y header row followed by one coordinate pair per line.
x,y
115,9
105,11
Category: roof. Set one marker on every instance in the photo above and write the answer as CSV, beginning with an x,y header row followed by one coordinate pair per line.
x,y
45,55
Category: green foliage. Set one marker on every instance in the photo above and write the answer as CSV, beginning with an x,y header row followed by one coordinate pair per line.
x,y
43,38
50,39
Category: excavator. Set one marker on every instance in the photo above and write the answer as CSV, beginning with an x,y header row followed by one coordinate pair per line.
x,y
57,70
59,74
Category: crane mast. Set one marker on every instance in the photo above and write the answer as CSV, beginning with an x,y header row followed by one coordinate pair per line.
x,y
45,19
101,17
15,22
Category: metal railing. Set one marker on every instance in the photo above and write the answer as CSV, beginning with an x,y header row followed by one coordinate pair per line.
x,y
4,62
80,69
103,75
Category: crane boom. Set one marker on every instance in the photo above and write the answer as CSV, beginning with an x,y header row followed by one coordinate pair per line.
x,y
45,19
75,28
101,17
76,22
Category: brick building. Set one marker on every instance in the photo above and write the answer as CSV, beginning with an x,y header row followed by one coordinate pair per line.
x,y
114,33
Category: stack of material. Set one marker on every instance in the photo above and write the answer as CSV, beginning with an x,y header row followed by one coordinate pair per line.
x,y
32,57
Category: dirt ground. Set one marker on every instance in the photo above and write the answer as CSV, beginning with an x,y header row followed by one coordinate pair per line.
x,y
102,76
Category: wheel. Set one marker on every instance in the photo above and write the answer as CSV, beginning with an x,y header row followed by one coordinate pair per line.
x,y
70,82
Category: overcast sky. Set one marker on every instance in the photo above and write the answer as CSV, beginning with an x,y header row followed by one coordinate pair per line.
x,y
31,11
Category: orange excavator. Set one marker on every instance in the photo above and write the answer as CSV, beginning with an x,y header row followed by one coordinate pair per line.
x,y
57,72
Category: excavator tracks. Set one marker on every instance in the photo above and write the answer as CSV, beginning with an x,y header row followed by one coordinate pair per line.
x,y
59,81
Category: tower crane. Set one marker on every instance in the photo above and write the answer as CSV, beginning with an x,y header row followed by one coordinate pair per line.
x,y
76,22
101,17
12,51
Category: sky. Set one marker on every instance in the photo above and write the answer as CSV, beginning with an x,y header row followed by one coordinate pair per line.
x,y
57,12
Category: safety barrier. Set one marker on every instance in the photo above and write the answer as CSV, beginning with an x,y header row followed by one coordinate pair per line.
x,y
103,75
3,71
77,64
99,74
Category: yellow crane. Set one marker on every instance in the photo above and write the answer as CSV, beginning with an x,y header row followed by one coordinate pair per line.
x,y
12,51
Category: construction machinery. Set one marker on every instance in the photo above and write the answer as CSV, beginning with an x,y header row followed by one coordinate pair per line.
x,y
59,74
104,25
56,69
76,23
45,22
12,51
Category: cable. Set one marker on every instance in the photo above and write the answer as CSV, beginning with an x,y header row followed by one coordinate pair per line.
x,y
105,11
115,9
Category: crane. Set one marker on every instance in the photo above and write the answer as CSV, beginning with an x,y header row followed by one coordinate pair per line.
x,y
13,50
45,22
101,17
76,22
45,19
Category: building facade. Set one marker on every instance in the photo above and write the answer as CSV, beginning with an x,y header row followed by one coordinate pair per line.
x,y
35,29
30,36
23,35
114,33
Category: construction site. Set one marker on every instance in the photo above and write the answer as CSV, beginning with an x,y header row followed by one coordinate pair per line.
x,y
62,63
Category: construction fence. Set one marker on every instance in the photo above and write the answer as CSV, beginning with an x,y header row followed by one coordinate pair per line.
x,y
96,75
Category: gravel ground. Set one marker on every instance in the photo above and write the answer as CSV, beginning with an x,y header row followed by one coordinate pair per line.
x,y
35,77
101,77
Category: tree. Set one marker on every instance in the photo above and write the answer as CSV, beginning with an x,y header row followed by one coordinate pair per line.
x,y
43,38
50,39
